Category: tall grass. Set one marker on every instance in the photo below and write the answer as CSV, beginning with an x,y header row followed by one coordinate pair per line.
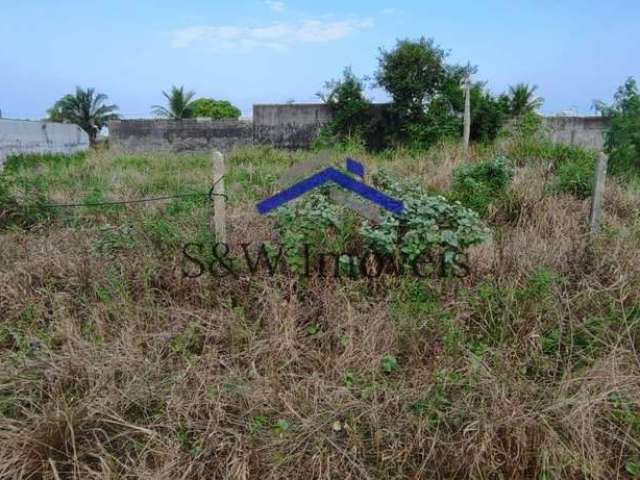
x,y
113,365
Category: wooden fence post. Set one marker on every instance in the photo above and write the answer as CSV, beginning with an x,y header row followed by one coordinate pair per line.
x,y
598,192
217,215
467,114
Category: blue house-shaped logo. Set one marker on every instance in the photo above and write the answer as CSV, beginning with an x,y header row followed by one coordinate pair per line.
x,y
331,174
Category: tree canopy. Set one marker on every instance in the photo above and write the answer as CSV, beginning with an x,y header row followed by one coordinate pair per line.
x,y
215,109
85,108
413,72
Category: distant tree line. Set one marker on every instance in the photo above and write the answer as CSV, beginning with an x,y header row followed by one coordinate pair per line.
x,y
182,104
427,106
91,112
427,100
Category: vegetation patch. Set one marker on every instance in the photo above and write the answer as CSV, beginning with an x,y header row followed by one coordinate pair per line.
x,y
479,185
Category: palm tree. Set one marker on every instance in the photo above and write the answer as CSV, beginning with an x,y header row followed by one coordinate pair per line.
x,y
179,104
523,99
85,108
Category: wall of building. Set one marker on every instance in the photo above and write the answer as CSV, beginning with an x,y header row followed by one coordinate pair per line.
x,y
289,125
588,132
24,136
179,135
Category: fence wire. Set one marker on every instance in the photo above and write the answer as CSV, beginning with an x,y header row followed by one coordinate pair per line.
x,y
210,194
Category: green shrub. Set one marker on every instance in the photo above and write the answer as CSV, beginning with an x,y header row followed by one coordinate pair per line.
x,y
488,114
574,166
430,226
623,134
312,220
478,185
438,125
527,126
576,176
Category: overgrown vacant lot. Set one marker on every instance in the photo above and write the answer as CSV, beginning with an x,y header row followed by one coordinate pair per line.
x,y
114,365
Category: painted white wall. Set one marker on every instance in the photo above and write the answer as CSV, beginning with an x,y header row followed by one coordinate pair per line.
x,y
25,136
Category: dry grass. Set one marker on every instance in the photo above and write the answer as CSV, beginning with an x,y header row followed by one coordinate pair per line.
x,y
115,366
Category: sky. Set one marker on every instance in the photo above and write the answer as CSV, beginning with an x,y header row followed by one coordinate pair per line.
x,y
274,51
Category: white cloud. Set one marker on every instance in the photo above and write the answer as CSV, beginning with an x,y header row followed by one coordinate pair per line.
x,y
275,5
276,36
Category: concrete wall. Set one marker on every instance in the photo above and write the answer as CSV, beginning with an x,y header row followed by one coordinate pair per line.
x,y
178,135
23,136
283,126
289,126
588,132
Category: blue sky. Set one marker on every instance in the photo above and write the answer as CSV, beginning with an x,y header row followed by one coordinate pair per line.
x,y
256,51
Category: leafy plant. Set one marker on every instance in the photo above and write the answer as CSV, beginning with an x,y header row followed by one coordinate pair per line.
x,y
258,423
632,466
389,363
438,124
188,342
186,438
305,222
478,185
281,427
576,176
428,225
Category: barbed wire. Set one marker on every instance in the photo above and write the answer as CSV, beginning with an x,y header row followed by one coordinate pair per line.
x,y
210,194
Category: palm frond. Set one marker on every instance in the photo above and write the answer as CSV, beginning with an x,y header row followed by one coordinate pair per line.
x,y
178,103
85,108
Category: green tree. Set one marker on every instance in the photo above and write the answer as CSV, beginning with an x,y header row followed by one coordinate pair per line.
x,y
85,108
179,104
488,113
413,73
622,142
215,109
523,99
348,103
